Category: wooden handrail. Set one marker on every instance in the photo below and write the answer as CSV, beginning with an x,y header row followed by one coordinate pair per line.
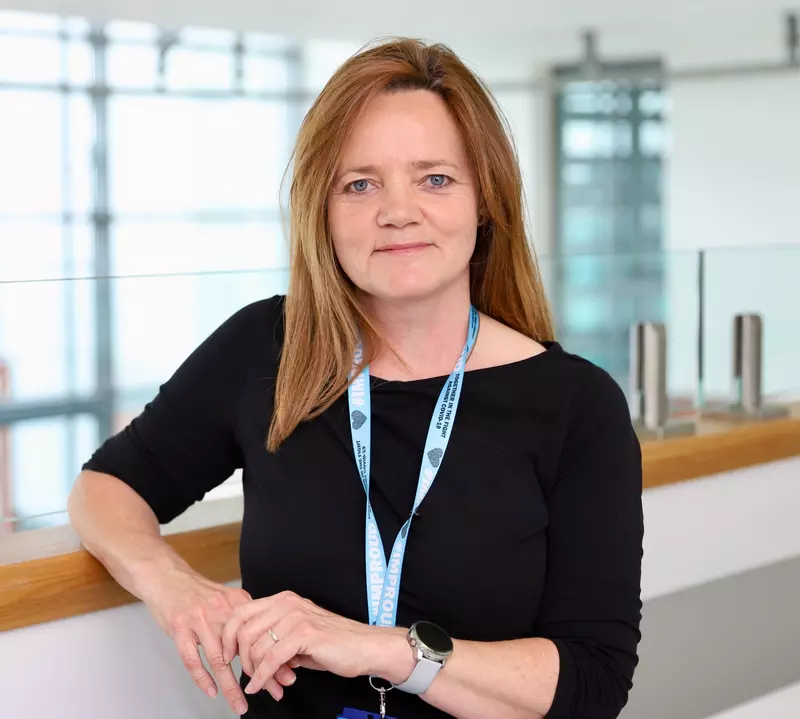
x,y
683,458
66,585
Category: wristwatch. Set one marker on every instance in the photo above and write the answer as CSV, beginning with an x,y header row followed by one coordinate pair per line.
x,y
432,647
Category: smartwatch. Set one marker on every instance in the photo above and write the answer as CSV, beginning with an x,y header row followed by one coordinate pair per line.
x,y
432,647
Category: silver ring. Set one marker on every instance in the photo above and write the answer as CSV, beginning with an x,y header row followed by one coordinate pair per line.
x,y
272,634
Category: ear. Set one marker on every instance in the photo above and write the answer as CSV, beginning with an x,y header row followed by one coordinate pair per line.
x,y
483,213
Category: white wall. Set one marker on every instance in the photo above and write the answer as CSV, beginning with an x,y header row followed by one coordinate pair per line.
x,y
734,171
719,526
118,664
733,181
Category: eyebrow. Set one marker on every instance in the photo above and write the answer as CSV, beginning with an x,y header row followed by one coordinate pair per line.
x,y
417,165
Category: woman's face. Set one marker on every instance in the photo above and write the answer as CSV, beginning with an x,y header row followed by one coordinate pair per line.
x,y
403,206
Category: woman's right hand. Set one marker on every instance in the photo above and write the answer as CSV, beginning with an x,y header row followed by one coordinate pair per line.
x,y
193,610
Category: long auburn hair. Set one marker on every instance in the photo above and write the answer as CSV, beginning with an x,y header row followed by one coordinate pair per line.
x,y
323,316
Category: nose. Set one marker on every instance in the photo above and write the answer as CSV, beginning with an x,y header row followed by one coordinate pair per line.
x,y
399,206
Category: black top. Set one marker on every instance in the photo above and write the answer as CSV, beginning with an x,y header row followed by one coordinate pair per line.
x,y
533,527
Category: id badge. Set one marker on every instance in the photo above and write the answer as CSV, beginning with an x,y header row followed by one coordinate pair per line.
x,y
348,713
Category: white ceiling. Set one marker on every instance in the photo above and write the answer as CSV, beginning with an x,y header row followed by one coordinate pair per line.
x,y
535,20
505,40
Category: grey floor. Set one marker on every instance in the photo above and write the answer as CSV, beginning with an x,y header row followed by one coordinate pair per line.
x,y
712,647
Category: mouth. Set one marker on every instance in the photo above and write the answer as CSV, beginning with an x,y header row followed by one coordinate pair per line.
x,y
403,248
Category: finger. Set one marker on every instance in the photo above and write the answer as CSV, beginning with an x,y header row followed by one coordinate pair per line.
x,y
285,676
279,654
256,631
229,637
248,610
284,628
253,643
250,660
241,616
212,646
190,656
240,596
258,651
237,599
246,655
274,687
266,642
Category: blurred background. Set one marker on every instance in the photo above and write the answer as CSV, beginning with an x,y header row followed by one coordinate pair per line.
x,y
142,145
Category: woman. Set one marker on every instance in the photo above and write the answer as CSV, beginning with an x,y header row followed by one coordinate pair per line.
x,y
411,364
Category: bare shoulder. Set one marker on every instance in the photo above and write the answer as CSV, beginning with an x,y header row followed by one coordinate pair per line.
x,y
498,344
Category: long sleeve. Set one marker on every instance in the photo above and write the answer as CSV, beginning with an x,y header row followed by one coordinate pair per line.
x,y
591,605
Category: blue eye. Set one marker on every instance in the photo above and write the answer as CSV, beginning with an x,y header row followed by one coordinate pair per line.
x,y
359,187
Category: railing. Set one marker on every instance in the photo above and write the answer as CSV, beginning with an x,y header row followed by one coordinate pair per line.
x,y
85,354
45,576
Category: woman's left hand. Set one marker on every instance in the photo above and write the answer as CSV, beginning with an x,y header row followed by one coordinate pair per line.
x,y
308,636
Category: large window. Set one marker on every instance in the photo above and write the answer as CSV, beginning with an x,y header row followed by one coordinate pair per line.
x,y
139,207
126,152
610,145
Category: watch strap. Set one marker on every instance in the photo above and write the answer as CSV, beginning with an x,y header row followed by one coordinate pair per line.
x,y
422,677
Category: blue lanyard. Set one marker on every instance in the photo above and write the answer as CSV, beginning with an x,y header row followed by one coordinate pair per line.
x,y
383,583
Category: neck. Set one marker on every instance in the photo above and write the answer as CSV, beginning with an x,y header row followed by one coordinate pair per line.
x,y
428,334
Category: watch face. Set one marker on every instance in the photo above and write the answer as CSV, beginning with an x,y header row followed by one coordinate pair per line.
x,y
433,637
